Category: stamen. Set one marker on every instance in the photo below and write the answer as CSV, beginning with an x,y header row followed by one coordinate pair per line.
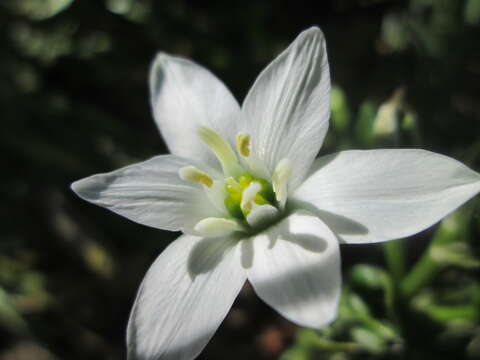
x,y
280,181
216,226
221,149
248,196
243,144
261,214
191,173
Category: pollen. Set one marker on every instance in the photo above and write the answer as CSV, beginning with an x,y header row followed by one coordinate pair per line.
x,y
191,173
243,144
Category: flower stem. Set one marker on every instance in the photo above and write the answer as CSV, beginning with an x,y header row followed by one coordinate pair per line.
x,y
452,228
445,313
379,328
423,272
395,258
335,346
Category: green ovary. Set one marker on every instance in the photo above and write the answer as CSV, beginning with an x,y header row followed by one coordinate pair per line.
x,y
235,190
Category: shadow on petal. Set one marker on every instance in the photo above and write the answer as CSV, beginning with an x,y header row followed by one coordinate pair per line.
x,y
207,254
340,225
296,270
307,241
247,253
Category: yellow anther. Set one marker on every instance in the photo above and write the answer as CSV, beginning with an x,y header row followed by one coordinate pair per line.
x,y
222,150
243,144
191,173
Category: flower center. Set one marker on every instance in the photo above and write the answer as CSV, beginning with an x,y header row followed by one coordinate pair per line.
x,y
245,193
246,199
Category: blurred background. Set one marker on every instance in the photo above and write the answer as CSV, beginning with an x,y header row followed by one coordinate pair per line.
x,y
74,102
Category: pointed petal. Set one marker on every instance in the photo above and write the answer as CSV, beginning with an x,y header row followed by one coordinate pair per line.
x,y
379,195
150,193
184,297
296,269
184,96
287,109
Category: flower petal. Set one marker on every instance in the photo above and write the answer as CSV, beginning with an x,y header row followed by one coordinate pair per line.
x,y
296,269
185,96
150,193
184,297
287,109
378,195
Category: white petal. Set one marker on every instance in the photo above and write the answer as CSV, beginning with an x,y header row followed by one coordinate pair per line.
x,y
185,96
379,195
150,193
184,297
296,269
287,109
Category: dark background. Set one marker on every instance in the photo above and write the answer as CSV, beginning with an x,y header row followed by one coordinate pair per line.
x,y
74,102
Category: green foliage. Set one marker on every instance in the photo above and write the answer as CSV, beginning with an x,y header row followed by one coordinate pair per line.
x,y
472,12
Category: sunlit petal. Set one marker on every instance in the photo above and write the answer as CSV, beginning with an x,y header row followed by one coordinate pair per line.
x,y
184,96
295,268
183,298
378,195
287,109
150,193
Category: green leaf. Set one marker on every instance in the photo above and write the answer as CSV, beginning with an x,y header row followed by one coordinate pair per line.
x,y
368,276
364,124
369,340
471,12
9,314
340,110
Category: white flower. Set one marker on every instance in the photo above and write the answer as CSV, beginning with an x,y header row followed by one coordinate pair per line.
x,y
267,211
